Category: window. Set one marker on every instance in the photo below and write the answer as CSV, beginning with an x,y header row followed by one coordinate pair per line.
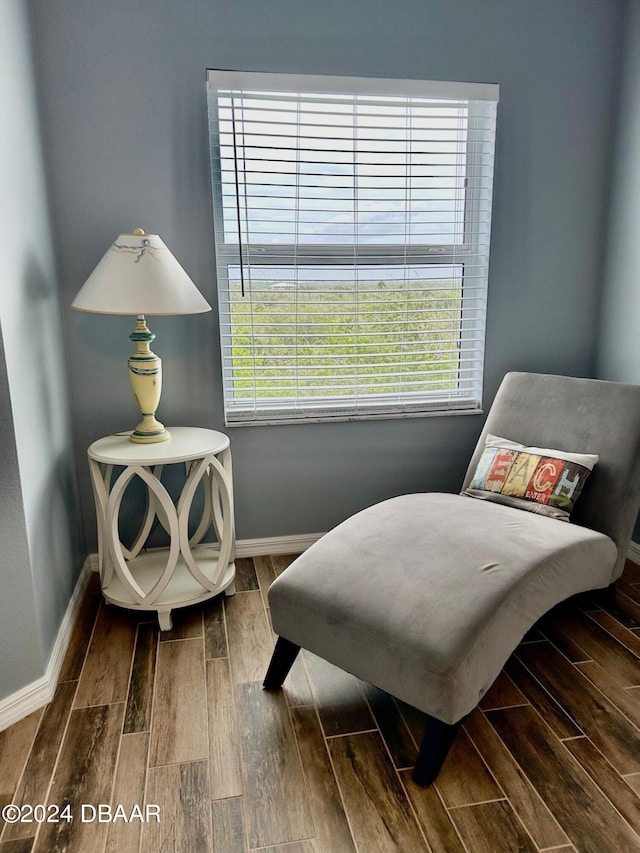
x,y
352,220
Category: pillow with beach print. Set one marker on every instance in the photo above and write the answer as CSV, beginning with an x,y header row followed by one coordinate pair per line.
x,y
536,479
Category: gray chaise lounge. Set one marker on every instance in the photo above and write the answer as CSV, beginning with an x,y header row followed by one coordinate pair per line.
x,y
426,595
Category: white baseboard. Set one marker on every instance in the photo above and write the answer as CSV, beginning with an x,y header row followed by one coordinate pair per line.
x,y
273,545
39,692
270,545
633,552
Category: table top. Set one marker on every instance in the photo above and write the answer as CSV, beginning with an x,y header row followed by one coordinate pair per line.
x,y
185,443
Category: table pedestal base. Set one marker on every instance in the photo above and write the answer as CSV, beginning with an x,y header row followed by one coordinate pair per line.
x,y
181,591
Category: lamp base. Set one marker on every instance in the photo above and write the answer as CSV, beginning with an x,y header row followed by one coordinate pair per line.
x,y
145,375
149,431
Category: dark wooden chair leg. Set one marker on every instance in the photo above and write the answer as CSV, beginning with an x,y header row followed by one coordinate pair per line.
x,y
281,662
438,737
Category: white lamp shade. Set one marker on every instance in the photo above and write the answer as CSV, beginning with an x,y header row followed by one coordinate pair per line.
x,y
139,275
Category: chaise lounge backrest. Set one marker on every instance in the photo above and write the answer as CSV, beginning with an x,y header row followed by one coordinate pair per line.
x,y
583,416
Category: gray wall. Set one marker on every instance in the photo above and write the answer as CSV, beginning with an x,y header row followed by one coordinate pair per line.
x,y
20,653
619,338
618,355
124,122
40,546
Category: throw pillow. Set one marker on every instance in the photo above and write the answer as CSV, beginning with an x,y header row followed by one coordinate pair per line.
x,y
536,479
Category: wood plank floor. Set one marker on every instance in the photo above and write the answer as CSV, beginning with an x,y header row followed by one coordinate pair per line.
x,y
178,720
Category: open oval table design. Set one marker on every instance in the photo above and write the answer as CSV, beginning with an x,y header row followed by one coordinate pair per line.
x,y
188,571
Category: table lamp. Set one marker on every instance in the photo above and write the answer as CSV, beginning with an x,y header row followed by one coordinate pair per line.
x,y
138,275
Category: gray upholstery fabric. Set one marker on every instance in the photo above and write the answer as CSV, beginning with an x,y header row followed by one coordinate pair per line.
x,y
583,416
427,595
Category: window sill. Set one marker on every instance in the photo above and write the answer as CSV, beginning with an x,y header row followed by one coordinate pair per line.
x,y
274,420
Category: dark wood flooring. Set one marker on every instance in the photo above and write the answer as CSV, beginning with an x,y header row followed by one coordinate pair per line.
x,y
549,761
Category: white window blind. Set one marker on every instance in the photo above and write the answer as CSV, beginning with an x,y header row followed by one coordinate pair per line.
x,y
352,220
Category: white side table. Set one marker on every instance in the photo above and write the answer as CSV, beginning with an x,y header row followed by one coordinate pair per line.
x,y
188,571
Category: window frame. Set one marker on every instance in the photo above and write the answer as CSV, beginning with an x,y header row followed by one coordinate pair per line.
x,y
236,254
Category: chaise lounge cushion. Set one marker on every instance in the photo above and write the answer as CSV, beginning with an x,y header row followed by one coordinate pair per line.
x,y
433,615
